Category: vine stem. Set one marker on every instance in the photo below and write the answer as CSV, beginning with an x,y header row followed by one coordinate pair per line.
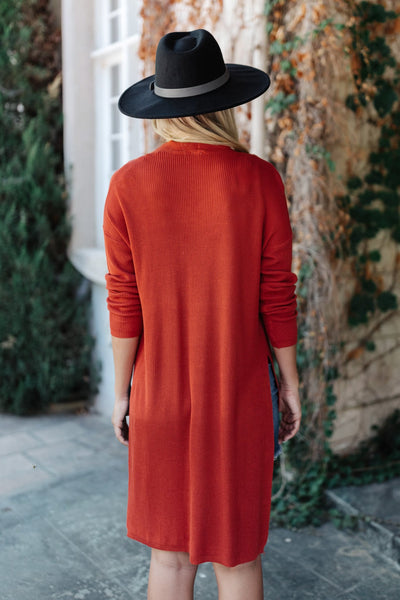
x,y
372,467
367,337
376,358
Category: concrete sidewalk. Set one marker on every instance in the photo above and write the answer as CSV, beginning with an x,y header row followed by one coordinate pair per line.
x,y
62,516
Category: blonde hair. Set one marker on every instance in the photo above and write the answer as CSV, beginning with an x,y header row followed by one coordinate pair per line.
x,y
218,128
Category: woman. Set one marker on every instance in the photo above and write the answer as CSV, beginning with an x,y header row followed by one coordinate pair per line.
x,y
198,245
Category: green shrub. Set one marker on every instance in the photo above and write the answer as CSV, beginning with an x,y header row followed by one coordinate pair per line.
x,y
45,345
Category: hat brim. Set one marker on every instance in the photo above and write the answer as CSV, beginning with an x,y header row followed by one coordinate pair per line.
x,y
245,83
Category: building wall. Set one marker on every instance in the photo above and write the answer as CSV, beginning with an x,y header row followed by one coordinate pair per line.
x,y
78,35
79,118
368,390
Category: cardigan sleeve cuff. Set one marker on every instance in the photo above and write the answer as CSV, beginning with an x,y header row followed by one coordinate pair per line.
x,y
125,327
284,343
281,334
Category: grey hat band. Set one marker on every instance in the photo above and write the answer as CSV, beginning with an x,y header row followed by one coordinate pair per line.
x,y
195,90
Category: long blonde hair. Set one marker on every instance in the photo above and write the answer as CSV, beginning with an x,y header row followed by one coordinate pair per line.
x,y
218,128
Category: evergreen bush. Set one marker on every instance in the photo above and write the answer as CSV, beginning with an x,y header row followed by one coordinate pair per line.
x,y
45,345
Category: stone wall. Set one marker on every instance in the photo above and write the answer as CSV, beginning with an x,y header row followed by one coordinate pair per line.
x,y
368,390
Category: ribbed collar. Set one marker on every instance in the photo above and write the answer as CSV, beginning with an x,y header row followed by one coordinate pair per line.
x,y
192,147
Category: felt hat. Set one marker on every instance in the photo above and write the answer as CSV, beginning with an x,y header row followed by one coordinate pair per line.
x,y
191,78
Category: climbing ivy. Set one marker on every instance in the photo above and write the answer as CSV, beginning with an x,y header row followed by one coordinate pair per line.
x,y
300,476
376,459
372,201
371,205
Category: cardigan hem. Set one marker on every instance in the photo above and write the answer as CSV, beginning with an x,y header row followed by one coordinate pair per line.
x,y
198,559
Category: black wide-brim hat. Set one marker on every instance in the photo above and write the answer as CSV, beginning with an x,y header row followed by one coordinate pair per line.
x,y
191,78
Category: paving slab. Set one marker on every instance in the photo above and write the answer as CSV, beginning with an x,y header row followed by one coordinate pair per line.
x,y
17,473
63,535
17,442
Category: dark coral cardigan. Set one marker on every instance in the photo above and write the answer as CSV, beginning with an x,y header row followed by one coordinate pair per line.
x,y
199,250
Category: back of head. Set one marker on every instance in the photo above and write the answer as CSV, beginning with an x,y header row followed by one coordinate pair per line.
x,y
218,128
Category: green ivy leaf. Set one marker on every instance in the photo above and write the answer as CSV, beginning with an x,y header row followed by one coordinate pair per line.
x,y
356,236
361,307
385,98
367,196
276,47
369,285
375,158
352,102
374,256
396,234
387,301
354,183
374,177
280,102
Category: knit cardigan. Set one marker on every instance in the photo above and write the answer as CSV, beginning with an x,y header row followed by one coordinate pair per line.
x,y
199,250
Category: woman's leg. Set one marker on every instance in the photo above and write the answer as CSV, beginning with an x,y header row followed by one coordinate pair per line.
x,y
243,582
171,576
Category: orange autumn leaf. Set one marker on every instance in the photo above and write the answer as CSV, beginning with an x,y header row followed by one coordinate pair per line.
x,y
356,353
355,63
285,123
395,26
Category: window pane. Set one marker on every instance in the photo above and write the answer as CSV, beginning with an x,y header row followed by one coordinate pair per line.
x,y
115,77
115,118
133,18
114,4
115,154
114,29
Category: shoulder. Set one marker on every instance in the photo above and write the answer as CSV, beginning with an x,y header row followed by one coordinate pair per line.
x,y
130,170
264,167
263,173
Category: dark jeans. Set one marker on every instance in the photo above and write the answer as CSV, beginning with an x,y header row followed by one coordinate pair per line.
x,y
275,410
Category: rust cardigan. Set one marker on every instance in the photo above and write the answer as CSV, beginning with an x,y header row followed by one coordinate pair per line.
x,y
199,250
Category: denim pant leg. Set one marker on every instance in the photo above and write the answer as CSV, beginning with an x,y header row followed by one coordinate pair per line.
x,y
275,410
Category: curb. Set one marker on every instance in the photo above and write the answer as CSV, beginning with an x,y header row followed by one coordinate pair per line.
x,y
374,530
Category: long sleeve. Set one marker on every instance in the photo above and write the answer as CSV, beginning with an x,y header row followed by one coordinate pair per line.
x,y
277,287
123,297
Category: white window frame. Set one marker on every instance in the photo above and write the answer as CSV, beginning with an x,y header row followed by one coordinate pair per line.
x,y
123,52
